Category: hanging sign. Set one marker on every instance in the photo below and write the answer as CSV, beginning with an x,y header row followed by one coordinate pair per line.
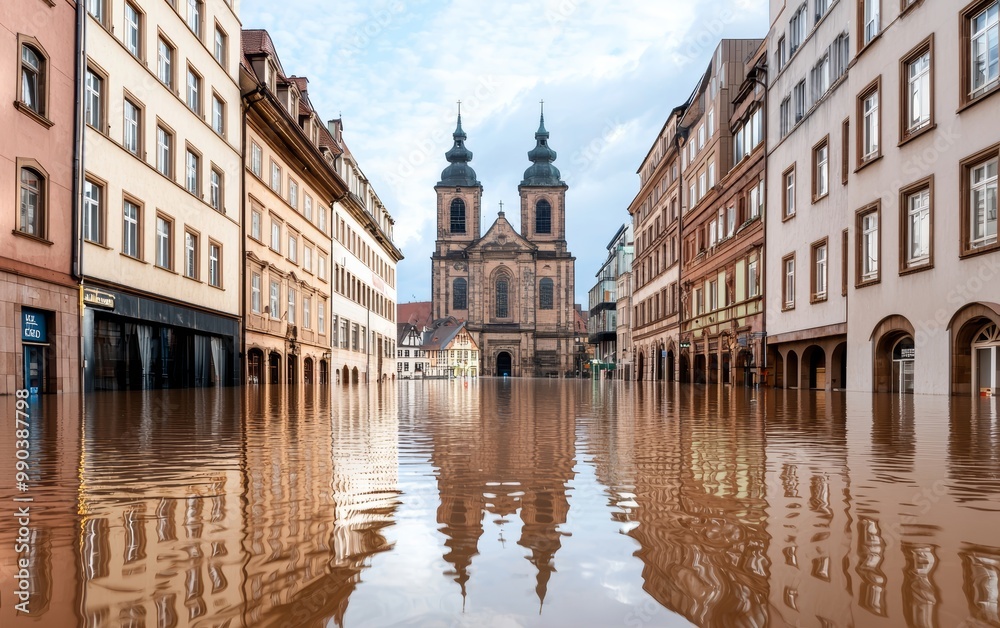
x,y
33,326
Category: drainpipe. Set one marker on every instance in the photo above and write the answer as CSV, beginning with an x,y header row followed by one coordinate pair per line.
x,y
76,243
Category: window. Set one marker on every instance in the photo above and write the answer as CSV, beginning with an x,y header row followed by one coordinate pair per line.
x,y
915,225
845,150
164,152
255,293
711,121
164,235
869,133
711,173
916,98
730,221
94,100
788,199
133,30
459,294
502,289
701,184
753,278
322,218
701,137
275,236
799,95
275,177
788,285
819,271
869,20
785,115
96,9
293,248
321,318
840,55
190,255
546,294
821,8
307,312
193,91
713,295
218,115
821,169
255,224
220,46
215,190
982,32
165,63
779,53
255,159
291,306
756,207
214,264
194,8
32,79
130,229
321,270
275,298
192,172
32,216
797,28
821,77
131,135
93,211
293,193
308,207
457,216
980,225
868,245
307,258
543,217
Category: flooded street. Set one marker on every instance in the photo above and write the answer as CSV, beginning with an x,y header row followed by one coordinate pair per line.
x,y
507,503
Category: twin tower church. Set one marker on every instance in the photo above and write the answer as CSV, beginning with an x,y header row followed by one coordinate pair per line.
x,y
513,289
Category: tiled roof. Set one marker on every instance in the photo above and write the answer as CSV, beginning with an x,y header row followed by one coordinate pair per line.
x,y
418,313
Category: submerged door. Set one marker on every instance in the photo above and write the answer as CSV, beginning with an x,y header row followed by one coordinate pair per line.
x,y
34,369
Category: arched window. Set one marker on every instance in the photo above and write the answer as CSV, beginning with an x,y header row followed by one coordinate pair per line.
x,y
458,216
32,66
543,217
460,294
545,294
502,298
32,203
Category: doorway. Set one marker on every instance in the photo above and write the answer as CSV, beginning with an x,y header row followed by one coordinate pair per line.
x,y
34,369
504,362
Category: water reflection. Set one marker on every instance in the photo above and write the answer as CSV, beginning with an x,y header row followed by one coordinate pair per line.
x,y
509,502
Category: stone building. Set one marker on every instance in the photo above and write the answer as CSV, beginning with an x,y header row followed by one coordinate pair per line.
x,y
39,300
515,289
604,324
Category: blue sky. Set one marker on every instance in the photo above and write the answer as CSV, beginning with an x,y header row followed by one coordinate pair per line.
x,y
609,71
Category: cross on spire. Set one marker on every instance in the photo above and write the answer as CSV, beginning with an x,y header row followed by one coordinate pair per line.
x,y
501,207
460,107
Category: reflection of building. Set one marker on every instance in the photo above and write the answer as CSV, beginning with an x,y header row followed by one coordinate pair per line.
x,y
509,454
161,198
603,324
290,185
37,253
515,289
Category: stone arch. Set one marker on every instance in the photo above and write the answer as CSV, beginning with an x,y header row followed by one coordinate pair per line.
x,y
354,375
777,368
964,326
346,377
500,295
886,334
791,369
813,368
274,368
838,366
255,366
684,372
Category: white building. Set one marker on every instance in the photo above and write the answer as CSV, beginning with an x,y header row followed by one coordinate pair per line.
x,y
161,202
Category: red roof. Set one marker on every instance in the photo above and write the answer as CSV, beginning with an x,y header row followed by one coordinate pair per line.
x,y
418,313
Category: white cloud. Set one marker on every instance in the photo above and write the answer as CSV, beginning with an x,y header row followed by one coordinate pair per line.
x,y
608,71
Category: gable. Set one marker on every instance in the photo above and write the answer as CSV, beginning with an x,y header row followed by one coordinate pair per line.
x,y
501,236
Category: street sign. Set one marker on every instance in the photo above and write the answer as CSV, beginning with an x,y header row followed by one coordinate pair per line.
x,y
33,326
685,345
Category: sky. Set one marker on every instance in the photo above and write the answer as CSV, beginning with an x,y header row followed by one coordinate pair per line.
x,y
609,72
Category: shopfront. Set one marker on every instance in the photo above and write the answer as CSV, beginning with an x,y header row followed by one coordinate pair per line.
x,y
134,342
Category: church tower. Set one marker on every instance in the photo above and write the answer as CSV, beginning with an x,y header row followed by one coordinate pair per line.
x,y
543,196
459,204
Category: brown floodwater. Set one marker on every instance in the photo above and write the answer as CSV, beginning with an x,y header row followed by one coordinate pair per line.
x,y
504,503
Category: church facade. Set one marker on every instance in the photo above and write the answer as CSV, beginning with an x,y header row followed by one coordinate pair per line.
x,y
513,288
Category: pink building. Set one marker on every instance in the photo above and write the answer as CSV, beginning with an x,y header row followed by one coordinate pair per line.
x,y
39,300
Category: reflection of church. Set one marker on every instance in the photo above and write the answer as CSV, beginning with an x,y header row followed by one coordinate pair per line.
x,y
514,289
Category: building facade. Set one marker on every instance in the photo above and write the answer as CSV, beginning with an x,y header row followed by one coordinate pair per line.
x,y
655,213
39,294
364,271
722,254
623,307
161,195
514,289
290,182
603,324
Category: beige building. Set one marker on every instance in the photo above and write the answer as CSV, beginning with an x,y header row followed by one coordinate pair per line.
x,y
161,199
655,215
515,290
291,183
861,158
364,271
39,297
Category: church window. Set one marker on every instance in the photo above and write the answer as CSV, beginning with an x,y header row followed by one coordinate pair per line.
x,y
502,290
458,216
545,290
459,294
543,217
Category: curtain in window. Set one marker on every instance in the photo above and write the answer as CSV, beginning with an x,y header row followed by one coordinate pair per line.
x,y
217,359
